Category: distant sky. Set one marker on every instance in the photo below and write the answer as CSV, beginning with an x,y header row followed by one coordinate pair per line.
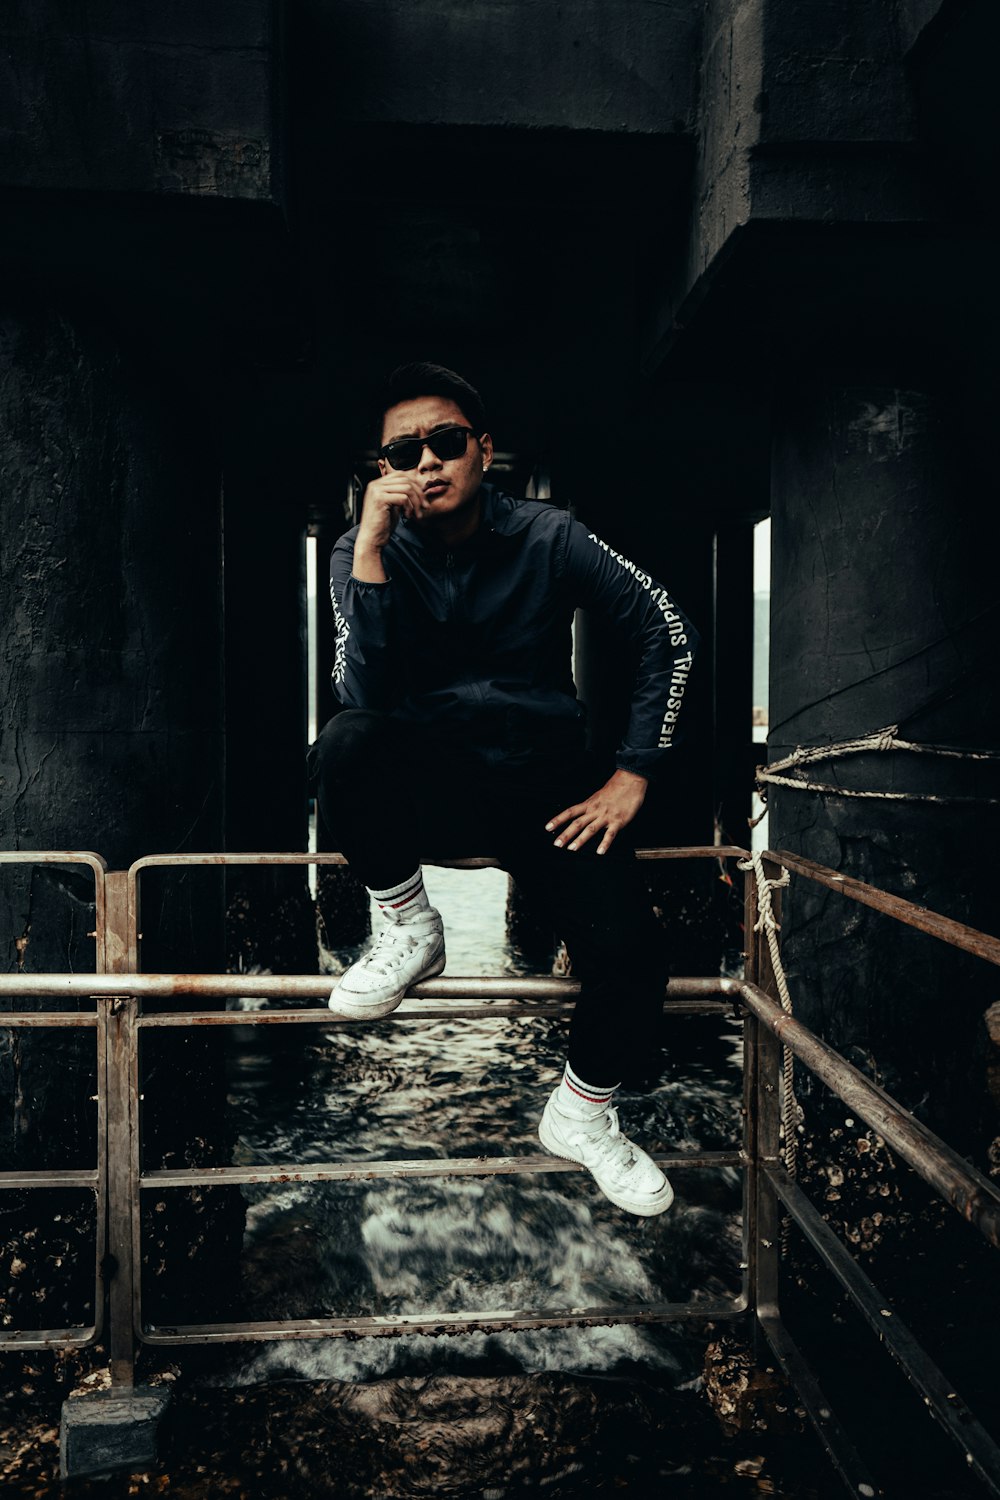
x,y
762,557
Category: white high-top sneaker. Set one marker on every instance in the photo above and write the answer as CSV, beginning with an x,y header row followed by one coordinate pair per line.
x,y
402,954
622,1170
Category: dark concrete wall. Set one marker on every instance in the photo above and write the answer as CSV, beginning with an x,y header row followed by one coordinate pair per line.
x,y
806,116
729,111
131,96
111,543
833,72
111,674
882,600
595,65
111,738
141,167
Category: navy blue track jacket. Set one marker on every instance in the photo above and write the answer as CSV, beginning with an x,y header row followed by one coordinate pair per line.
x,y
475,642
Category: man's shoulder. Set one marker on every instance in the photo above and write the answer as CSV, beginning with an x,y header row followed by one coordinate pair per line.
x,y
536,518
342,552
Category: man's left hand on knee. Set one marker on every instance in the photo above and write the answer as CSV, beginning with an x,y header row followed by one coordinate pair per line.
x,y
606,812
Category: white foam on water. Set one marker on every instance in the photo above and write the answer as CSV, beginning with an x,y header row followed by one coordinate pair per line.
x,y
426,1246
574,1351
475,1255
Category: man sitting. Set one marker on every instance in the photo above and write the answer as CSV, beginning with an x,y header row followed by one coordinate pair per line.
x,y
462,732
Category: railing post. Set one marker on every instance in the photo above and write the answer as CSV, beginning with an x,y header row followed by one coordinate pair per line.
x,y
117,1429
120,1031
751,1044
767,1218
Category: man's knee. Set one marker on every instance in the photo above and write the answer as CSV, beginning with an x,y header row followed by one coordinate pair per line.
x,y
347,743
615,927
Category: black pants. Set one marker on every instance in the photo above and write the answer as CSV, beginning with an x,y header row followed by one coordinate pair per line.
x,y
391,795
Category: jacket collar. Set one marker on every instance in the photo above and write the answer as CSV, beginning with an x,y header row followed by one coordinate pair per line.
x,y
502,514
501,522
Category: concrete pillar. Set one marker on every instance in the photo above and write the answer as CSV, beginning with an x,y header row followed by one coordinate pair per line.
x,y
883,592
112,736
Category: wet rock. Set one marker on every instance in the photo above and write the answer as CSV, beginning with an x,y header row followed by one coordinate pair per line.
x,y
993,1157
855,1180
444,1435
747,1396
47,1258
991,1020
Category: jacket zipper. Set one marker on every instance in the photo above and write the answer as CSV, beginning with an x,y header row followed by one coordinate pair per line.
x,y
452,592
474,687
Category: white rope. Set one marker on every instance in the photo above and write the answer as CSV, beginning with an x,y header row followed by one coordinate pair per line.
x,y
768,924
883,739
886,738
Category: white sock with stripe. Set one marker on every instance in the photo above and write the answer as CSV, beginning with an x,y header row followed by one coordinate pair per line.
x,y
401,903
584,1101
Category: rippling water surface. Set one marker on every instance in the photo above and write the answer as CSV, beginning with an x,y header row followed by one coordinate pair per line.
x,y
426,1090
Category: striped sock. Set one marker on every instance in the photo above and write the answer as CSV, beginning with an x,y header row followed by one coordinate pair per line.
x,y
584,1101
401,903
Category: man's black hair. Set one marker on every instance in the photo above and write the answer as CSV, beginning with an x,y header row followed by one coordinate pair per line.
x,y
411,381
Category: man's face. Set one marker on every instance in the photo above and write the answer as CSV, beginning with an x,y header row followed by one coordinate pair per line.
x,y
451,484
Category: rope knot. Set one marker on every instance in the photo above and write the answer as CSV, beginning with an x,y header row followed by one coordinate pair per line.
x,y
766,920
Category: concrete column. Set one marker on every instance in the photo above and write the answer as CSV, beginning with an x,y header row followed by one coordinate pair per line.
x,y
883,594
112,735
112,731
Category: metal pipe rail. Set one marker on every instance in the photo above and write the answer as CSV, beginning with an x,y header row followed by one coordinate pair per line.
x,y
937,1391
971,1194
767,1029
118,1179
515,997
450,988
118,988
117,991
955,934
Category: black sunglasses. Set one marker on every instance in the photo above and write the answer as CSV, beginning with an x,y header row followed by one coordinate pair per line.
x,y
446,442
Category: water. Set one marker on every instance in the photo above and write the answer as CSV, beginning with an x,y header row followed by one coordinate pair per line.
x,y
425,1090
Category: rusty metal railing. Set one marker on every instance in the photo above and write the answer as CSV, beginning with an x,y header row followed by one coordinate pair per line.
x,y
767,1029
768,1191
453,998
118,991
